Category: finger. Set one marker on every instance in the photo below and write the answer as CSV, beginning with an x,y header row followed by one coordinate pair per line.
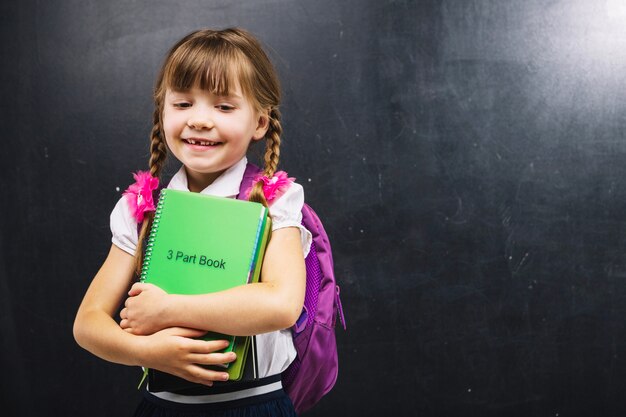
x,y
124,324
205,376
124,313
136,289
128,330
212,358
184,332
207,346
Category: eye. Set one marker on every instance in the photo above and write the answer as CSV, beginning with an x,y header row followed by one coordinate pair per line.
x,y
182,104
225,107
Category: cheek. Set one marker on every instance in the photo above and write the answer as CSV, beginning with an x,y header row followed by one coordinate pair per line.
x,y
242,129
173,118
167,123
172,126
169,131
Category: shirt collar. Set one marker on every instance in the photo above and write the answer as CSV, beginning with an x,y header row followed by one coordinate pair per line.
x,y
226,185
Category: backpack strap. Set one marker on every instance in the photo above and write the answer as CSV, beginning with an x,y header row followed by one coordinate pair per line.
x,y
321,249
246,182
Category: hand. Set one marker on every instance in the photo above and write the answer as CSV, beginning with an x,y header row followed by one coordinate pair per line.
x,y
143,310
174,351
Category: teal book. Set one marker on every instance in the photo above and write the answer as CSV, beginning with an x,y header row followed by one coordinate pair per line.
x,y
200,244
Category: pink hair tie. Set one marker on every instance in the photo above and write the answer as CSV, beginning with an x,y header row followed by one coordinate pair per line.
x,y
273,187
139,194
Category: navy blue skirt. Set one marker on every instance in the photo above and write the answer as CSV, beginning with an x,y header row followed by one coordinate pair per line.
x,y
272,404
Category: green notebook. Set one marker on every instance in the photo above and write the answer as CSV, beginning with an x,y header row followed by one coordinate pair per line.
x,y
200,244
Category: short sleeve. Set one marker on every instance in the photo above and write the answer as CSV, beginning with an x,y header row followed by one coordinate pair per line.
x,y
286,211
123,227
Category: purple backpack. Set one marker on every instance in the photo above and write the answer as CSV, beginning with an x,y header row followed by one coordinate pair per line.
x,y
314,371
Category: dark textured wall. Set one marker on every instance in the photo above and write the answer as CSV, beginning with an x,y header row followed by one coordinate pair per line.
x,y
467,158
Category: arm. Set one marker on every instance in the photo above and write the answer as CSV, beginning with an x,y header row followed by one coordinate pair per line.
x,y
274,303
170,350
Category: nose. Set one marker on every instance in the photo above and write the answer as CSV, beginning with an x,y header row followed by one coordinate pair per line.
x,y
200,121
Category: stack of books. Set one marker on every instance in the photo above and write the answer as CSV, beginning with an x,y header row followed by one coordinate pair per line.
x,y
200,244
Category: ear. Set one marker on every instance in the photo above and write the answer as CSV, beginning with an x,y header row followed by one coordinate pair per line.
x,y
263,124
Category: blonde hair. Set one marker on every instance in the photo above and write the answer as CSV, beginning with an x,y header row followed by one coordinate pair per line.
x,y
216,61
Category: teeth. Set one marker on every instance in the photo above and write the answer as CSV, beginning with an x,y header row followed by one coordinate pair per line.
x,y
203,143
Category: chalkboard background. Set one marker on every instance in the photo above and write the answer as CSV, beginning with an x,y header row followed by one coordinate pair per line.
x,y
467,157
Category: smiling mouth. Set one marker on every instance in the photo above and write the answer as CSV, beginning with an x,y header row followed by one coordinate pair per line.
x,y
201,142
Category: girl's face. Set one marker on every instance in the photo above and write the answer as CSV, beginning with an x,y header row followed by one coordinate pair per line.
x,y
210,133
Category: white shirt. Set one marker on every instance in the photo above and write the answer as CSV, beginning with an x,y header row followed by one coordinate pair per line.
x,y
275,349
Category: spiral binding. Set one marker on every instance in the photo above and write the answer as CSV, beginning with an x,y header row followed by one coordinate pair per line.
x,y
153,231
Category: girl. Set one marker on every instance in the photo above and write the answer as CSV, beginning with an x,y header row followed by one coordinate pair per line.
x,y
216,93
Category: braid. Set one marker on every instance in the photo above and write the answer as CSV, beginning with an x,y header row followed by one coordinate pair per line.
x,y
272,155
158,154
272,146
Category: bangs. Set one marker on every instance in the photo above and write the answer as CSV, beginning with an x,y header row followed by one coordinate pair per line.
x,y
210,65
